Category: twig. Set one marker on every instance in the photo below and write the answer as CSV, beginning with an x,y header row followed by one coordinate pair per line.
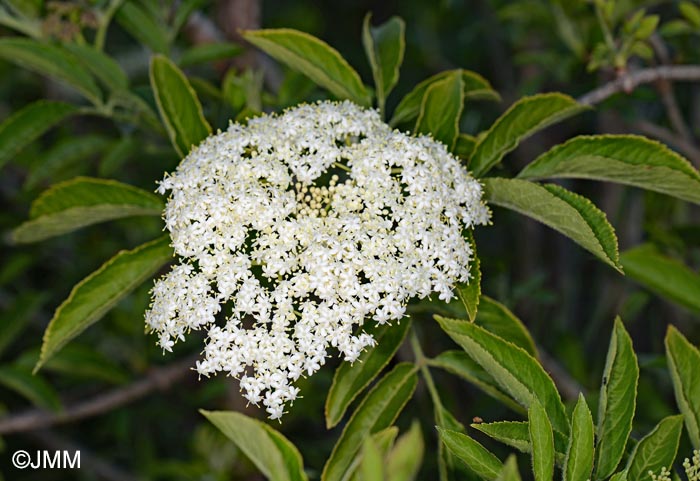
x,y
89,461
568,386
159,379
665,88
628,82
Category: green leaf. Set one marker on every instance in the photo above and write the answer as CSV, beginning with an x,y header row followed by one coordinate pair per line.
x,y
517,435
579,455
372,466
95,295
83,201
381,442
178,105
684,364
498,319
209,52
270,452
510,470
477,458
616,405
404,460
470,293
621,476
475,87
541,442
441,109
691,12
63,157
32,387
351,379
28,124
460,364
377,411
17,316
52,61
314,58
656,450
384,46
137,20
102,66
625,159
514,369
664,275
81,361
570,214
464,147
184,10
525,117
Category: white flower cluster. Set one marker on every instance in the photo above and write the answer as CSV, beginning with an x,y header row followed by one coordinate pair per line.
x,y
301,226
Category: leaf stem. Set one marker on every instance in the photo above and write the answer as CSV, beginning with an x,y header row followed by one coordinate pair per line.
x,y
105,20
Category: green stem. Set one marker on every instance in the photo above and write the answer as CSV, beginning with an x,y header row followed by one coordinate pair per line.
x,y
340,166
604,27
25,26
422,362
105,20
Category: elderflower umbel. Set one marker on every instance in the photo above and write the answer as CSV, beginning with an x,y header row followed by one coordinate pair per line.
x,y
303,225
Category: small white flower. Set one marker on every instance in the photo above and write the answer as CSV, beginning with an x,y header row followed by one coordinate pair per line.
x,y
304,225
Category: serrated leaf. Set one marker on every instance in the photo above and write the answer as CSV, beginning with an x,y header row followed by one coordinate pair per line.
x,y
178,105
28,124
625,159
684,363
377,411
570,214
498,319
517,435
662,274
32,387
142,26
351,379
579,455
209,52
475,87
102,66
270,452
525,117
314,58
470,293
656,450
616,405
95,295
404,460
477,458
441,109
510,470
384,46
514,369
83,201
460,364
541,442
52,61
